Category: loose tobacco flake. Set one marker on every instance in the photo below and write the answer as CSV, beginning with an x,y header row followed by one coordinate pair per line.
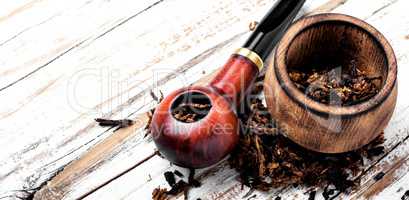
x,y
160,194
176,187
379,176
170,178
178,173
122,123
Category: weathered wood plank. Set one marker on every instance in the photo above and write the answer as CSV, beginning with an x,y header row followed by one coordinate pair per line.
x,y
17,17
397,189
226,56
100,130
46,30
71,131
120,158
51,181
394,166
394,134
100,152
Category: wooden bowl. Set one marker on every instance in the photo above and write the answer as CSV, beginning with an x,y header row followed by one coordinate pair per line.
x,y
333,38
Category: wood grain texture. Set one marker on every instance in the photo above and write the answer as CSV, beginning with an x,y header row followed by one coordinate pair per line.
x,y
47,30
394,167
223,55
108,190
101,151
71,133
398,187
17,17
227,186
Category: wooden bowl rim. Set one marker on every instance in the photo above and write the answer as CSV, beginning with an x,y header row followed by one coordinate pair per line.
x,y
280,68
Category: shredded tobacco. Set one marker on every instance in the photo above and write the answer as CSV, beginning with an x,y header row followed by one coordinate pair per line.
x,y
178,173
191,112
338,85
312,195
156,98
150,113
160,194
176,187
266,159
379,176
122,123
170,178
148,124
192,181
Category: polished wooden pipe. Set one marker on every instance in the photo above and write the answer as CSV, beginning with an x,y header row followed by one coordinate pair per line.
x,y
204,142
208,140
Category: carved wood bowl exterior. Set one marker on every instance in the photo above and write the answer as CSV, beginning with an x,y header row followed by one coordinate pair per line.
x,y
331,128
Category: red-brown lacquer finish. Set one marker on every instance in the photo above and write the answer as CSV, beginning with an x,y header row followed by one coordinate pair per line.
x,y
236,78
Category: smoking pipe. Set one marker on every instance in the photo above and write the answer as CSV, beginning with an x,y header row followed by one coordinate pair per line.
x,y
214,134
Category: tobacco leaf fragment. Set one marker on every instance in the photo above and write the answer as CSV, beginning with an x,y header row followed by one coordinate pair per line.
x,y
164,194
160,194
312,195
191,180
253,25
122,123
176,187
152,111
379,176
178,173
148,124
170,178
156,98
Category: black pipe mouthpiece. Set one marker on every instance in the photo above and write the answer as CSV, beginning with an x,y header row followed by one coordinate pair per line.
x,y
272,27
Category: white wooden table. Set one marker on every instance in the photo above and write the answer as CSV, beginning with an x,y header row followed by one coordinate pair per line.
x,y
64,63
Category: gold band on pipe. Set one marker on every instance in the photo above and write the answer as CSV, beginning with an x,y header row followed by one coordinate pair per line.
x,y
252,56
